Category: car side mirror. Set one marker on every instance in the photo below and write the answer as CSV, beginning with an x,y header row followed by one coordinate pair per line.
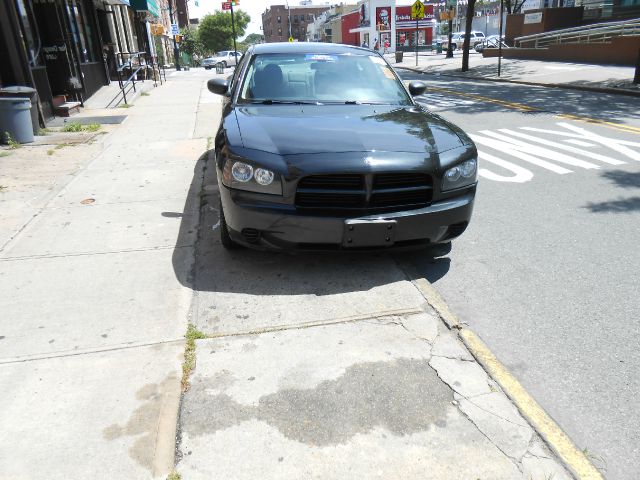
x,y
219,86
415,88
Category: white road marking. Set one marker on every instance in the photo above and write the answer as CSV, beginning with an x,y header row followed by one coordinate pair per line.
x,y
582,134
580,143
566,148
521,174
516,144
515,151
543,152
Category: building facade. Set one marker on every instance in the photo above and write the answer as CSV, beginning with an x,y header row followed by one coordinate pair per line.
x,y
70,48
279,22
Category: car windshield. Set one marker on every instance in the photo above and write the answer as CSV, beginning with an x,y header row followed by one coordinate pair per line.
x,y
321,78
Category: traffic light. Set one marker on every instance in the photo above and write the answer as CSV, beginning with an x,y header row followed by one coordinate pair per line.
x,y
235,3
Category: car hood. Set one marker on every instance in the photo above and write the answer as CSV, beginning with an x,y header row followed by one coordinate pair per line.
x,y
303,129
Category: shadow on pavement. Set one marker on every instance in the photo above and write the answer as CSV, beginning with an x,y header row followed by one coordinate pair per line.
x,y
266,273
621,179
602,106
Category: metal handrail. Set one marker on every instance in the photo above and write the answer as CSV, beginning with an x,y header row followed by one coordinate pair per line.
x,y
597,33
129,84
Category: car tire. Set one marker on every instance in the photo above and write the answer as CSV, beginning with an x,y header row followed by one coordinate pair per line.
x,y
207,68
225,238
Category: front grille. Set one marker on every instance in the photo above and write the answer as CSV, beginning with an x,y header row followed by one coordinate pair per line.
x,y
351,194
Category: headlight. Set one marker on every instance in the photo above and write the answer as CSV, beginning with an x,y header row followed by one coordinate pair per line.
x,y
264,176
242,175
461,175
242,172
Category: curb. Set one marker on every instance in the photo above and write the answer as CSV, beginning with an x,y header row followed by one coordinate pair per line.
x,y
584,88
569,455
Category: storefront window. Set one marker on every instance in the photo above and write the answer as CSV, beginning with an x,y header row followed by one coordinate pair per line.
x,y
27,21
81,29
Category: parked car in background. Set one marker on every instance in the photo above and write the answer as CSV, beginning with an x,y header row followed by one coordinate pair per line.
x,y
491,41
227,58
457,39
322,147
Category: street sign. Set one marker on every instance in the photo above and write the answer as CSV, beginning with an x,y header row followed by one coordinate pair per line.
x,y
174,29
291,39
226,5
417,10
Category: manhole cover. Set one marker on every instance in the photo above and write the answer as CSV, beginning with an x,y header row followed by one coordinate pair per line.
x,y
88,201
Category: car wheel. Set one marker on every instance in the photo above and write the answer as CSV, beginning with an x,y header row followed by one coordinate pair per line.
x,y
207,68
225,238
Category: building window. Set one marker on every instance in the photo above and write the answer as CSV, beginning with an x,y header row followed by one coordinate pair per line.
x,y
279,19
310,18
279,31
81,30
295,19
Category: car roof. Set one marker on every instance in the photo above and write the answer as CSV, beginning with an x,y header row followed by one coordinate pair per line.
x,y
307,47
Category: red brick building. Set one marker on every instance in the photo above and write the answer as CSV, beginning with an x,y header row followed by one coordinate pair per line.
x,y
280,22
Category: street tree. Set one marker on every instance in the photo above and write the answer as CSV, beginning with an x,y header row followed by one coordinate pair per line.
x,y
191,43
471,6
215,32
513,6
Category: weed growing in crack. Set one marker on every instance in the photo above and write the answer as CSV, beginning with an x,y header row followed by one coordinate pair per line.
x,y
77,127
8,139
189,363
174,476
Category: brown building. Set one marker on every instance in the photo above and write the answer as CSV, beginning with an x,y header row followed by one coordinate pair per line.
x,y
280,22
182,10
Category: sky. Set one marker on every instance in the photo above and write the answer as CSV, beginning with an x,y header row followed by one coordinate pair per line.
x,y
255,8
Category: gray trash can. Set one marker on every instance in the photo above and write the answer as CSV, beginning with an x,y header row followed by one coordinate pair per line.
x,y
219,68
399,56
25,92
15,118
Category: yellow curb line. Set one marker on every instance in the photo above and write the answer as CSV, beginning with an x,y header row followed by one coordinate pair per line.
x,y
516,106
525,108
559,442
549,430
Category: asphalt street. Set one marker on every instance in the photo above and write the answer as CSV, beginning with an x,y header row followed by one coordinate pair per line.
x,y
547,272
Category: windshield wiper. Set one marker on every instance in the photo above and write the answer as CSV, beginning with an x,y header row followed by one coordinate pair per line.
x,y
285,102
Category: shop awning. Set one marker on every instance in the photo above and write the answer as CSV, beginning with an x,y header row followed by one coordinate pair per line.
x,y
150,6
117,2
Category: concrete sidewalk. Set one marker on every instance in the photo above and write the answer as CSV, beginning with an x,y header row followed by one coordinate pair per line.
x,y
315,366
602,78
93,316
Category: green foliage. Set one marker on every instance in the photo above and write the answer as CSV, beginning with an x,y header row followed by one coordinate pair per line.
x,y
191,44
215,31
8,139
77,127
72,127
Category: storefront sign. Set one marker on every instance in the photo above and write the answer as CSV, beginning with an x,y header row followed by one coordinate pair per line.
x,y
533,17
150,6
52,52
383,18
531,5
403,17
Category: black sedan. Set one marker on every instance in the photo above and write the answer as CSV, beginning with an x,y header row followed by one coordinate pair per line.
x,y
321,147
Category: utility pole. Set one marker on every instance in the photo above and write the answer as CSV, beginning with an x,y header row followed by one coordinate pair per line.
x,y
233,29
176,53
500,39
449,46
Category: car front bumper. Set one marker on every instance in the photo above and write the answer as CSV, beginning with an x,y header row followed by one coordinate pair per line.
x,y
256,224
